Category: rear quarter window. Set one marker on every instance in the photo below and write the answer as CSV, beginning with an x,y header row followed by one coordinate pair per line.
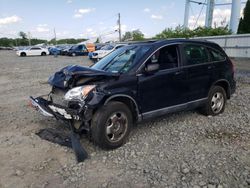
x,y
216,55
195,54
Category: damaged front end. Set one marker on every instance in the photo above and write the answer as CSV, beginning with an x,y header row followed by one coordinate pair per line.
x,y
73,98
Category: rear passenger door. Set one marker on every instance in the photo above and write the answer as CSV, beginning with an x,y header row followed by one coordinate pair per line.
x,y
198,68
35,51
219,62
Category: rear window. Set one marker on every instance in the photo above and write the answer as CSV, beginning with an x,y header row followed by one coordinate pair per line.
x,y
216,55
195,54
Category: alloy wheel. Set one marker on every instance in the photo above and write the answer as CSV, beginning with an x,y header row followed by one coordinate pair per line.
x,y
217,102
116,126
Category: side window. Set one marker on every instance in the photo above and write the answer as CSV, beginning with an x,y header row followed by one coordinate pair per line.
x,y
35,48
216,55
118,47
166,57
80,47
195,54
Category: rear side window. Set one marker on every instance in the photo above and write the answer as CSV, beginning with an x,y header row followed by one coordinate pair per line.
x,y
195,54
216,55
35,48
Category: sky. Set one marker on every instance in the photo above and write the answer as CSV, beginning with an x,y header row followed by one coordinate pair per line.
x,y
96,18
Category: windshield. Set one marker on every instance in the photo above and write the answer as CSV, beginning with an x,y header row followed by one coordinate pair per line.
x,y
122,59
107,47
74,47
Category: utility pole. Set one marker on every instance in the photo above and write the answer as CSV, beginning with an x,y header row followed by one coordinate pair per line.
x,y
55,35
235,15
119,27
209,13
29,38
186,16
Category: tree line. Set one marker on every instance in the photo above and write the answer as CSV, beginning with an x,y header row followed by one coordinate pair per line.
x,y
23,40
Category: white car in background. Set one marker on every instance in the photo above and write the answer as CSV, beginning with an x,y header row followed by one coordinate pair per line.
x,y
105,50
32,51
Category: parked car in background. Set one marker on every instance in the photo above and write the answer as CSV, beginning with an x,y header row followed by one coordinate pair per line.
x,y
105,50
66,49
77,50
33,51
90,47
6,48
97,47
55,50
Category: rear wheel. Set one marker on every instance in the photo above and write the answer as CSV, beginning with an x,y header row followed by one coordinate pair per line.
x,y
23,54
73,54
43,54
216,101
111,125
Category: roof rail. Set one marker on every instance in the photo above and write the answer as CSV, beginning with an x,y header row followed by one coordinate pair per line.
x,y
142,41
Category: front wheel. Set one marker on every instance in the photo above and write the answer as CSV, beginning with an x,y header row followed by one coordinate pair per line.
x,y
216,101
23,54
111,125
43,54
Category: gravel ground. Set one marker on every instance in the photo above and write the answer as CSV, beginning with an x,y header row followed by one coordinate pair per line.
x,y
183,149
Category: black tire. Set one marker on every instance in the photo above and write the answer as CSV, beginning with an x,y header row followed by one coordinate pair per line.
x,y
43,54
23,54
214,108
73,54
104,118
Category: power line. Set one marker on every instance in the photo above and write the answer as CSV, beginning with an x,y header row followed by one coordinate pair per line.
x,y
200,13
108,18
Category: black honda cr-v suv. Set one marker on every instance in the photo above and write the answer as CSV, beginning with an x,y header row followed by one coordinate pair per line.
x,y
137,82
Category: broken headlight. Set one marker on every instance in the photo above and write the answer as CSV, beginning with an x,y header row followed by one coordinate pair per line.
x,y
79,93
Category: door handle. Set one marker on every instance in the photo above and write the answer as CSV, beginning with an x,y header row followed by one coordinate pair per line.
x,y
178,72
210,67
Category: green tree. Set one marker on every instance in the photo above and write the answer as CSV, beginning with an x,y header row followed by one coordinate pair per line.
x,y
181,32
135,35
22,35
97,40
68,41
244,24
127,36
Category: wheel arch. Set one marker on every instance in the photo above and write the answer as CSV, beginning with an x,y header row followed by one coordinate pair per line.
x,y
129,101
23,53
225,85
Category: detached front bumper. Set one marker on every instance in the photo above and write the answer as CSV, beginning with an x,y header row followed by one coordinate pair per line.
x,y
50,109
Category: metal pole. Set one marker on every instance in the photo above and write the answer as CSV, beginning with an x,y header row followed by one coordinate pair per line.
x,y
186,15
55,35
29,38
235,15
119,27
209,13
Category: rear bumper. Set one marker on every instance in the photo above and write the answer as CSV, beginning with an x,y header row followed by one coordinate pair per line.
x,y
233,87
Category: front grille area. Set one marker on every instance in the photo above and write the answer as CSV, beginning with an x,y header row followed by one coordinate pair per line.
x,y
57,96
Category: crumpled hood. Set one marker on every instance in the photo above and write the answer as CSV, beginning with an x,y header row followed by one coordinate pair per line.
x,y
61,78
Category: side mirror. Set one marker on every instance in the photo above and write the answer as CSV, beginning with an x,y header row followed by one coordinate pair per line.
x,y
152,67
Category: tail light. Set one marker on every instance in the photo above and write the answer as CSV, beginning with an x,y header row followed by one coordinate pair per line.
x,y
232,65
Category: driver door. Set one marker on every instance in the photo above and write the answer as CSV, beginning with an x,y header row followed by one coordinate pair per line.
x,y
164,88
